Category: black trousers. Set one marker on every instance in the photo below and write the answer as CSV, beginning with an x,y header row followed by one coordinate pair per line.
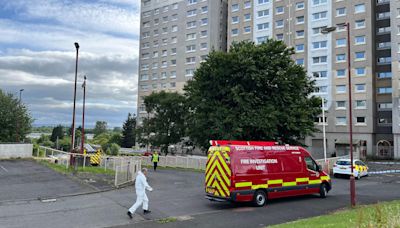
x,y
155,165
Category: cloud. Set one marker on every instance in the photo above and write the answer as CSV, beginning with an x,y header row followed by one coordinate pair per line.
x,y
104,16
37,54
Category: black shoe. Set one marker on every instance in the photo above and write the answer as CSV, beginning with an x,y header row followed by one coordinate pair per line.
x,y
129,214
146,211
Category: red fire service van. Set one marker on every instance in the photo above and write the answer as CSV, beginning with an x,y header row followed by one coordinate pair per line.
x,y
243,171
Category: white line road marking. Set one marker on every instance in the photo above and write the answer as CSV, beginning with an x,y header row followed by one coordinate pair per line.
x,y
2,167
384,171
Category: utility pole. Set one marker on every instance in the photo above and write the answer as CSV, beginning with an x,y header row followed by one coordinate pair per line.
x,y
73,112
83,115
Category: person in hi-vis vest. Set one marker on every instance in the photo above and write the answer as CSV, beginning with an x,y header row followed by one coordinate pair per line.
x,y
155,159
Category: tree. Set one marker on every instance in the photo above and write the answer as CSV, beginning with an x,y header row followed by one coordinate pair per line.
x,y
165,125
116,138
15,119
117,129
129,132
44,140
114,149
101,127
253,92
58,132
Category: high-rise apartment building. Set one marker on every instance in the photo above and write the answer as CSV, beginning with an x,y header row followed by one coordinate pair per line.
x,y
374,40
175,37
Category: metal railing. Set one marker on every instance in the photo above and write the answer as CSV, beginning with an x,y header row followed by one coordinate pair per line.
x,y
125,168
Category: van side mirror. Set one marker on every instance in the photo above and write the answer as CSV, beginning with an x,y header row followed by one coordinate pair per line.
x,y
319,168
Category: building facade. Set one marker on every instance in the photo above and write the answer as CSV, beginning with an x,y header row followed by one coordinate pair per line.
x,y
374,41
176,36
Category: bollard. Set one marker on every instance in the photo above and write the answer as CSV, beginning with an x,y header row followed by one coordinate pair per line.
x,y
105,163
84,161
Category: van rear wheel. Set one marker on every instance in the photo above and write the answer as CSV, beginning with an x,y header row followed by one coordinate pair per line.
x,y
260,198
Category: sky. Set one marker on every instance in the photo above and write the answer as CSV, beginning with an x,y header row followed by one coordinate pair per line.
x,y
37,54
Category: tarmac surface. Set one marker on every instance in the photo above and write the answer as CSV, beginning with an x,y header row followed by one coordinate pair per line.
x,y
178,194
25,179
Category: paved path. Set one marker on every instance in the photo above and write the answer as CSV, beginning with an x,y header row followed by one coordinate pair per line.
x,y
180,194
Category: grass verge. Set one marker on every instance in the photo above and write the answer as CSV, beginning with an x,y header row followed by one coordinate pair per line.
x,y
379,215
167,220
89,169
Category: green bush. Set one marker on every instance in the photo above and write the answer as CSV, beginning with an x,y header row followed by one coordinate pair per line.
x,y
114,148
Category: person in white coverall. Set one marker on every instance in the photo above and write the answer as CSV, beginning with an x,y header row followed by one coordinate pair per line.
x,y
141,198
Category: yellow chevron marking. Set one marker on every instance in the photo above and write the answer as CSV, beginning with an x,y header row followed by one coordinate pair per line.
x,y
220,182
259,186
212,171
293,183
275,182
223,162
243,184
215,175
215,185
218,166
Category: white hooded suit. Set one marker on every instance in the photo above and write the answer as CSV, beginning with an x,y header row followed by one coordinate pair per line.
x,y
141,198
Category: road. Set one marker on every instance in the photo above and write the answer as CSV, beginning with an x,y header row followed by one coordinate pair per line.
x,y
180,194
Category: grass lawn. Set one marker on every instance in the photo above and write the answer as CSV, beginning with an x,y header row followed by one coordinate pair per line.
x,y
377,215
88,169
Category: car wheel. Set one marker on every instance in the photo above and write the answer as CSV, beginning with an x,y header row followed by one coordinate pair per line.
x,y
336,175
323,191
358,176
260,198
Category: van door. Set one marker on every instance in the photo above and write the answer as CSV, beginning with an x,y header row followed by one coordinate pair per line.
x,y
218,172
314,180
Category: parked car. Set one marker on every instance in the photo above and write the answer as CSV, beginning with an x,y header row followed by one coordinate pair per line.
x,y
342,167
147,153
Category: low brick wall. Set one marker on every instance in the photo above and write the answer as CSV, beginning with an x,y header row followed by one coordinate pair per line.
x,y
15,151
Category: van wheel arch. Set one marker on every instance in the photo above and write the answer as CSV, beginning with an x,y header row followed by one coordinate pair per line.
x,y
323,190
260,197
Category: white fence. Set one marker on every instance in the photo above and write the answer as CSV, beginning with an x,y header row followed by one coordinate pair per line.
x,y
200,162
125,168
178,162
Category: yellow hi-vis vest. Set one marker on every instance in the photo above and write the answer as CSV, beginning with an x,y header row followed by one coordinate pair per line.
x,y
155,158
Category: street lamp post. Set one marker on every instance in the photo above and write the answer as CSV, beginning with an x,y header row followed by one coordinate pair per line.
x,y
73,112
352,180
83,115
20,94
18,117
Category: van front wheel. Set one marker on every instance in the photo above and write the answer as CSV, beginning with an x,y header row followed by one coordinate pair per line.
x,y
323,191
260,198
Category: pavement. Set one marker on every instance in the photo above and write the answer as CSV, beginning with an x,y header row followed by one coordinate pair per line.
x,y
180,194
